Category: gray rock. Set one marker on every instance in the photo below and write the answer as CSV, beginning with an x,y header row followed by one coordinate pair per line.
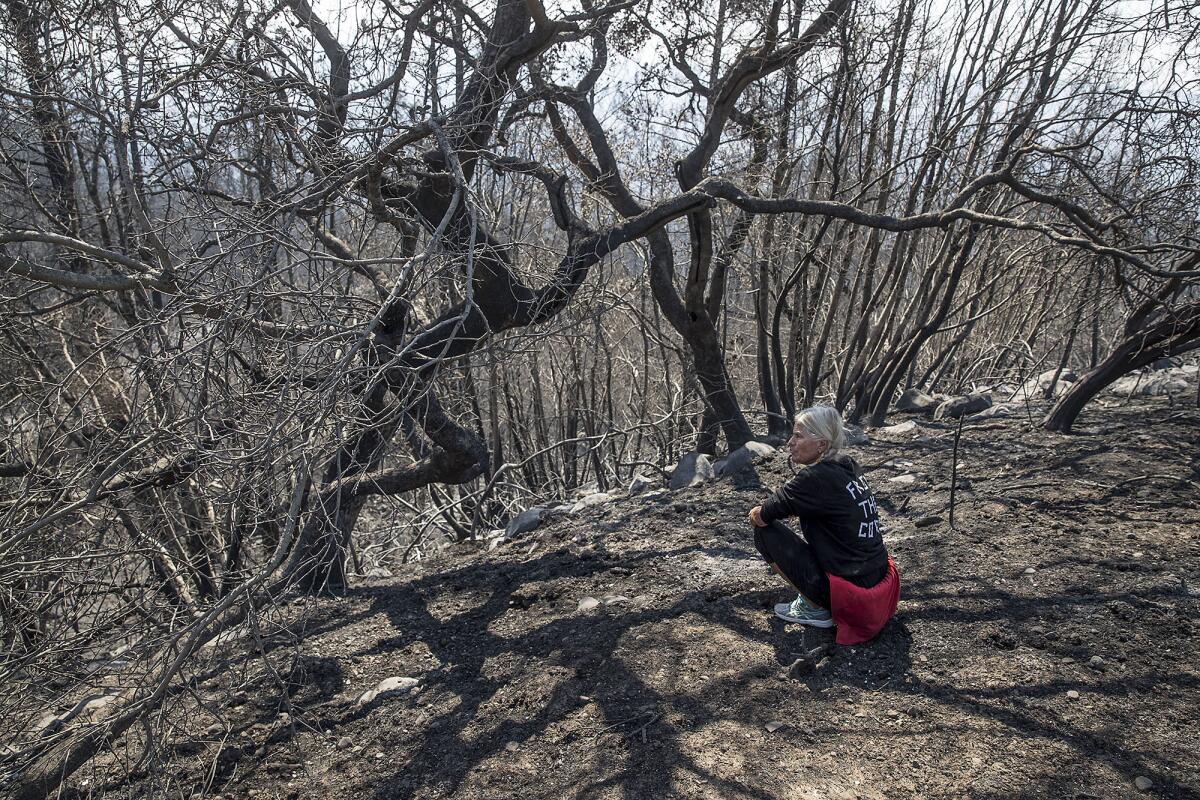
x,y
761,450
595,499
961,406
496,541
692,470
1096,662
993,412
554,512
587,604
387,689
1155,384
524,522
917,402
742,458
1036,387
897,430
1060,388
1142,783
856,436
1072,694
1167,363
345,743
639,484
379,572
614,599
773,726
906,478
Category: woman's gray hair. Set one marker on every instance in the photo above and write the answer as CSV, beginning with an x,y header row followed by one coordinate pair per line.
x,y
824,422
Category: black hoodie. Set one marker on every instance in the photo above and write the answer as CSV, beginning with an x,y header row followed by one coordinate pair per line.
x,y
838,515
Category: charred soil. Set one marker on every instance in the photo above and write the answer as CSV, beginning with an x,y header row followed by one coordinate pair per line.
x,y
1045,646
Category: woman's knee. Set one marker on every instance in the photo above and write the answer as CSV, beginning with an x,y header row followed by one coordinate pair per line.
x,y
771,540
760,544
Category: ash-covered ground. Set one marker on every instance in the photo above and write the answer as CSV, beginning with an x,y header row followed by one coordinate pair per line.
x,y
1045,646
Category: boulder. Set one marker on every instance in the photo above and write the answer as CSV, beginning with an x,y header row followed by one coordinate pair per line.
x,y
639,484
896,430
1000,410
914,401
1037,386
692,470
742,458
957,407
1060,388
524,522
1152,384
856,436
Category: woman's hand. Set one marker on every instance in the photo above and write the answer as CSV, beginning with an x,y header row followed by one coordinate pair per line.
x,y
756,517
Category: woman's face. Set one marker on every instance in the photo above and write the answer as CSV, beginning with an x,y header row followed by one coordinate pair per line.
x,y
804,448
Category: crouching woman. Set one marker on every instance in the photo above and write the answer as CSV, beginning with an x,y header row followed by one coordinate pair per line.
x,y
838,562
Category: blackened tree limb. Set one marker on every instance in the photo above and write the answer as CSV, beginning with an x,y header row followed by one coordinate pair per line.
x,y
1176,333
752,66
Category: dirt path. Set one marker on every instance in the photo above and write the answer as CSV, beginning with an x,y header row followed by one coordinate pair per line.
x,y
1046,647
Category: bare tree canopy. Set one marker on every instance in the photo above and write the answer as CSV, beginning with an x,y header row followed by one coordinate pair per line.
x,y
267,268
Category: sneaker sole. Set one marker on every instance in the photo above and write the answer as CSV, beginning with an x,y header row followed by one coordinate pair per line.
x,y
816,623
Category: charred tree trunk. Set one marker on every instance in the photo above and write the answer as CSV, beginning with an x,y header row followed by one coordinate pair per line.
x,y
1178,333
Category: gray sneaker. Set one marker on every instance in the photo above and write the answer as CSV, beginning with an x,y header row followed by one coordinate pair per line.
x,y
799,610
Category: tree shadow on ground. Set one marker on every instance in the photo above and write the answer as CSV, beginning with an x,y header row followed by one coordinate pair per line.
x,y
1002,619
450,748
447,753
